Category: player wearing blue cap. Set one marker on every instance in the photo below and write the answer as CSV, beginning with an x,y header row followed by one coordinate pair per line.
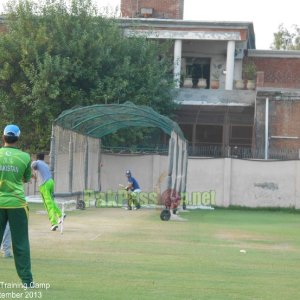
x,y
14,171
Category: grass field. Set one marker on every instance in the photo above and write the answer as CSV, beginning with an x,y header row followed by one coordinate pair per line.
x,y
111,253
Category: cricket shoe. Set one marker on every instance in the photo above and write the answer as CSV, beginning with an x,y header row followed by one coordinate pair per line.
x,y
62,218
54,227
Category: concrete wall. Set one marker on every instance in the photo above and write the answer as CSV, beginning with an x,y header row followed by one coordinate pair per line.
x,y
246,183
264,184
220,182
147,169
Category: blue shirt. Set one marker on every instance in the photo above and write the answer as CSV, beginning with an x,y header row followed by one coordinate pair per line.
x,y
42,171
134,183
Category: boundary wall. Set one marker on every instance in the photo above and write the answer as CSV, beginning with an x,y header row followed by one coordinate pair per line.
x,y
213,182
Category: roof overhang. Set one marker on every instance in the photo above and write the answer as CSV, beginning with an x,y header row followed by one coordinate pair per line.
x,y
185,29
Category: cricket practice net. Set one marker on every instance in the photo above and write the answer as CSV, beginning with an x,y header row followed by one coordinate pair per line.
x,y
75,156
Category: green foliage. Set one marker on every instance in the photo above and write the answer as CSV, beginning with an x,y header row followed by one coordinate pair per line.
x,y
249,70
60,54
285,39
217,70
133,138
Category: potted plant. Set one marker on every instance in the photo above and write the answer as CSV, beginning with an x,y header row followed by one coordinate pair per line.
x,y
250,74
215,82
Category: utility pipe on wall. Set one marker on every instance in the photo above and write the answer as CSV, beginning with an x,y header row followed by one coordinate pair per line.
x,y
267,128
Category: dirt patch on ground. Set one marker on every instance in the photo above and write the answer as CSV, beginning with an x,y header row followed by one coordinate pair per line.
x,y
88,224
238,235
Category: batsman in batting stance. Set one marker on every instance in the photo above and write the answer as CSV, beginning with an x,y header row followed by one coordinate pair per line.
x,y
134,189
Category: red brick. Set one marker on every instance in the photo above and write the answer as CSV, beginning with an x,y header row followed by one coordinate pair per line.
x,y
278,72
168,9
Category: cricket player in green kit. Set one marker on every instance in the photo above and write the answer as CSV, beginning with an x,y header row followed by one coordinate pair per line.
x,y
43,175
15,169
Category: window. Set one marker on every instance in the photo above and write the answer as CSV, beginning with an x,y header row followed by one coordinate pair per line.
x,y
241,135
209,134
187,130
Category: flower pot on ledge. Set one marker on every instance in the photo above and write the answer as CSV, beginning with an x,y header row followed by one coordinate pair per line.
x,y
239,84
188,83
202,83
214,84
250,84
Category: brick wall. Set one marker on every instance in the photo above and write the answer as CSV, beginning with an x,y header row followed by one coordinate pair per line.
x,y
278,72
284,124
284,121
168,9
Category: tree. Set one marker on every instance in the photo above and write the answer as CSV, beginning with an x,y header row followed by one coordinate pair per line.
x,y
286,40
60,54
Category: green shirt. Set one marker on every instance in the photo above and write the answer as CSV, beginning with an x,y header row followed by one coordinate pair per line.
x,y
15,169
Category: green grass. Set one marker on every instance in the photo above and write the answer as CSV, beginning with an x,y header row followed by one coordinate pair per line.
x,y
116,254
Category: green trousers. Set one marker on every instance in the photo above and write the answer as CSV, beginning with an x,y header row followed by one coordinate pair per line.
x,y
18,222
132,199
47,190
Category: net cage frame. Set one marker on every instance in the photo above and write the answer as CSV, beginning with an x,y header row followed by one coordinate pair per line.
x,y
85,126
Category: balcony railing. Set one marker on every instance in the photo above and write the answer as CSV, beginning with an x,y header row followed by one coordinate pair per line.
x,y
216,84
218,151
213,151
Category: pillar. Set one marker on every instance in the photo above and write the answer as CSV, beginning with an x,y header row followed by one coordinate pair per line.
x,y
177,62
230,65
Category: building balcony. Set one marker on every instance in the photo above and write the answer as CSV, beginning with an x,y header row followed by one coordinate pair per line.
x,y
219,97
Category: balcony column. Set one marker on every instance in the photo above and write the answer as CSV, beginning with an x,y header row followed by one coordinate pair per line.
x,y
230,65
177,62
